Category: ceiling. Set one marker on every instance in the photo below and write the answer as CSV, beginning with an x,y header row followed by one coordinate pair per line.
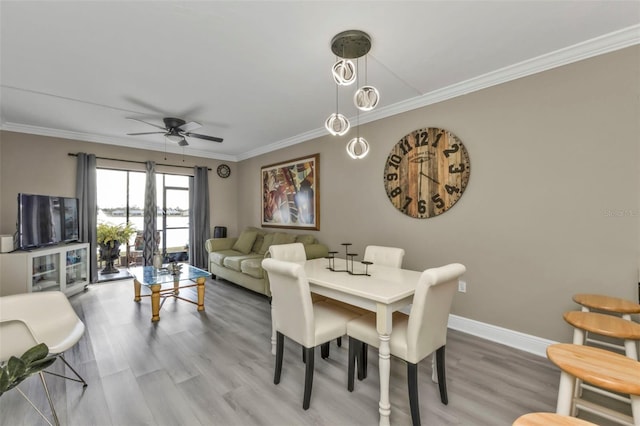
x,y
258,73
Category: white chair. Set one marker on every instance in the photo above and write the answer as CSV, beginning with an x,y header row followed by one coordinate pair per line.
x,y
418,334
383,256
42,317
386,256
293,252
297,317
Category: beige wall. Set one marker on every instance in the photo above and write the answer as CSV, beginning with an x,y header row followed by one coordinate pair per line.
x,y
552,207
552,204
41,165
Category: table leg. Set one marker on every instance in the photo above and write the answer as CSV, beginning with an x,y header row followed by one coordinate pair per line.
x,y
136,290
383,320
155,302
200,281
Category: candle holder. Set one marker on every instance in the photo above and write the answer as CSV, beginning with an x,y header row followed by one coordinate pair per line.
x,y
349,259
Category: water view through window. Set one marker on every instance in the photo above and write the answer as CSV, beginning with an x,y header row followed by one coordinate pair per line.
x,y
120,196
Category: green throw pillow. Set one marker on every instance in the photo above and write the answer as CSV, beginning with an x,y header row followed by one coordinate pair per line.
x,y
245,241
257,243
282,238
266,243
305,239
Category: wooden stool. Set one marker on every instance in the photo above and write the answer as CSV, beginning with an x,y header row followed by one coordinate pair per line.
x,y
607,303
604,325
549,419
599,367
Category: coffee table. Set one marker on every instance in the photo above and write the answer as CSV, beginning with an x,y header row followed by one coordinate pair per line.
x,y
158,281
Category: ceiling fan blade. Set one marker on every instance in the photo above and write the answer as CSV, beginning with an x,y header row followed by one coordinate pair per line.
x,y
183,142
187,127
145,122
209,138
146,133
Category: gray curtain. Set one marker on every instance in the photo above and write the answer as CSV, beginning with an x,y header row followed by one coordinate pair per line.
x,y
150,213
199,228
87,215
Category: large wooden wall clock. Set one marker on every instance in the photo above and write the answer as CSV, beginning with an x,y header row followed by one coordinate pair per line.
x,y
426,172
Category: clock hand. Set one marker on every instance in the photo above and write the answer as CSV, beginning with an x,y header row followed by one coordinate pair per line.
x,y
429,177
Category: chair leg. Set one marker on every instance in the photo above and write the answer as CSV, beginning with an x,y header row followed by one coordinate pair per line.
x,y
412,381
354,345
46,391
308,378
363,361
339,342
79,377
324,350
442,379
279,354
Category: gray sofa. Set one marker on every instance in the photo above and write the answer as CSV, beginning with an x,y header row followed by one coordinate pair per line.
x,y
239,259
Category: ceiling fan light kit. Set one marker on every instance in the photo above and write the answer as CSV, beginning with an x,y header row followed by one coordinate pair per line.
x,y
347,45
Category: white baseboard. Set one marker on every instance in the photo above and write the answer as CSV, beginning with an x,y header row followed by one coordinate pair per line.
x,y
514,339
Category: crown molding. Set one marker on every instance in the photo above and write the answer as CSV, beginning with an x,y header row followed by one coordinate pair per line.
x,y
94,138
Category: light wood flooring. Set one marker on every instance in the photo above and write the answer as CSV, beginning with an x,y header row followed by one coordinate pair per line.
x,y
215,368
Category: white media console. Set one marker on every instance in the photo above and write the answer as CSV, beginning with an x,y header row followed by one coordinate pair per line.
x,y
63,267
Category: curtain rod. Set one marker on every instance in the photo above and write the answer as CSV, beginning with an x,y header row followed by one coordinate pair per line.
x,y
71,154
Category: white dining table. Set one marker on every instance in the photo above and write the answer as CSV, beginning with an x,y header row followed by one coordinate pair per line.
x,y
384,291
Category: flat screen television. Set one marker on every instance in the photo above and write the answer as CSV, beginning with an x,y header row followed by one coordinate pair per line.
x,y
44,220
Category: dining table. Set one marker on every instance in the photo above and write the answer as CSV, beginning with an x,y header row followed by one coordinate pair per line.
x,y
376,288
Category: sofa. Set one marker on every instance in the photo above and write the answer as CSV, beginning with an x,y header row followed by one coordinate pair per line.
x,y
239,259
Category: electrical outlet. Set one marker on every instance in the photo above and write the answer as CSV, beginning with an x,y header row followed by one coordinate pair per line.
x,y
462,286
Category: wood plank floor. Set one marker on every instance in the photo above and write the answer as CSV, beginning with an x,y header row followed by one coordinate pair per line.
x,y
215,368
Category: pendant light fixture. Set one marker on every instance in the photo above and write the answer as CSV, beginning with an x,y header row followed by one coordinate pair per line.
x,y
348,45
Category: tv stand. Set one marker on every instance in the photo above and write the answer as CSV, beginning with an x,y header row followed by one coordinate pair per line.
x,y
63,267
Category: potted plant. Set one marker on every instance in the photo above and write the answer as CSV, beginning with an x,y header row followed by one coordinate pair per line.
x,y
109,238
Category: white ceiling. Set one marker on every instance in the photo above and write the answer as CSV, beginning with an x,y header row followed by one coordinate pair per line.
x,y
258,73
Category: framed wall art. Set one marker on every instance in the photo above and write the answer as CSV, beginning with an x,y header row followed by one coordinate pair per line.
x,y
290,194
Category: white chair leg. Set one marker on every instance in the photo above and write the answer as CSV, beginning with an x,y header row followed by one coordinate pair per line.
x,y
565,394
635,409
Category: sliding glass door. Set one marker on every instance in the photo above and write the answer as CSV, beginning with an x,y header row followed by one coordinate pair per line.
x,y
120,195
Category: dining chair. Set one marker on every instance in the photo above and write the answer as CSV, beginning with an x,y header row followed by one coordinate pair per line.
x,y
47,317
297,317
293,252
416,335
382,256
385,256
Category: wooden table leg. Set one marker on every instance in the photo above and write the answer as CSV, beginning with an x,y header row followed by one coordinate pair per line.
x,y
136,290
155,302
383,320
200,281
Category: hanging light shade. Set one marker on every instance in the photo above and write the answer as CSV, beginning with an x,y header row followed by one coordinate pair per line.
x,y
337,124
366,98
358,148
344,72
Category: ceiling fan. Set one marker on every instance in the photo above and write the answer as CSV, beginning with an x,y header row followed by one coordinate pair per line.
x,y
175,129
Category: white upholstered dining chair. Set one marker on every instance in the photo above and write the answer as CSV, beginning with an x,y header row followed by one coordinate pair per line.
x,y
47,317
297,317
385,256
418,334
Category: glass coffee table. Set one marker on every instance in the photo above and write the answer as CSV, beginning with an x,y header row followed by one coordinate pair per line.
x,y
163,284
